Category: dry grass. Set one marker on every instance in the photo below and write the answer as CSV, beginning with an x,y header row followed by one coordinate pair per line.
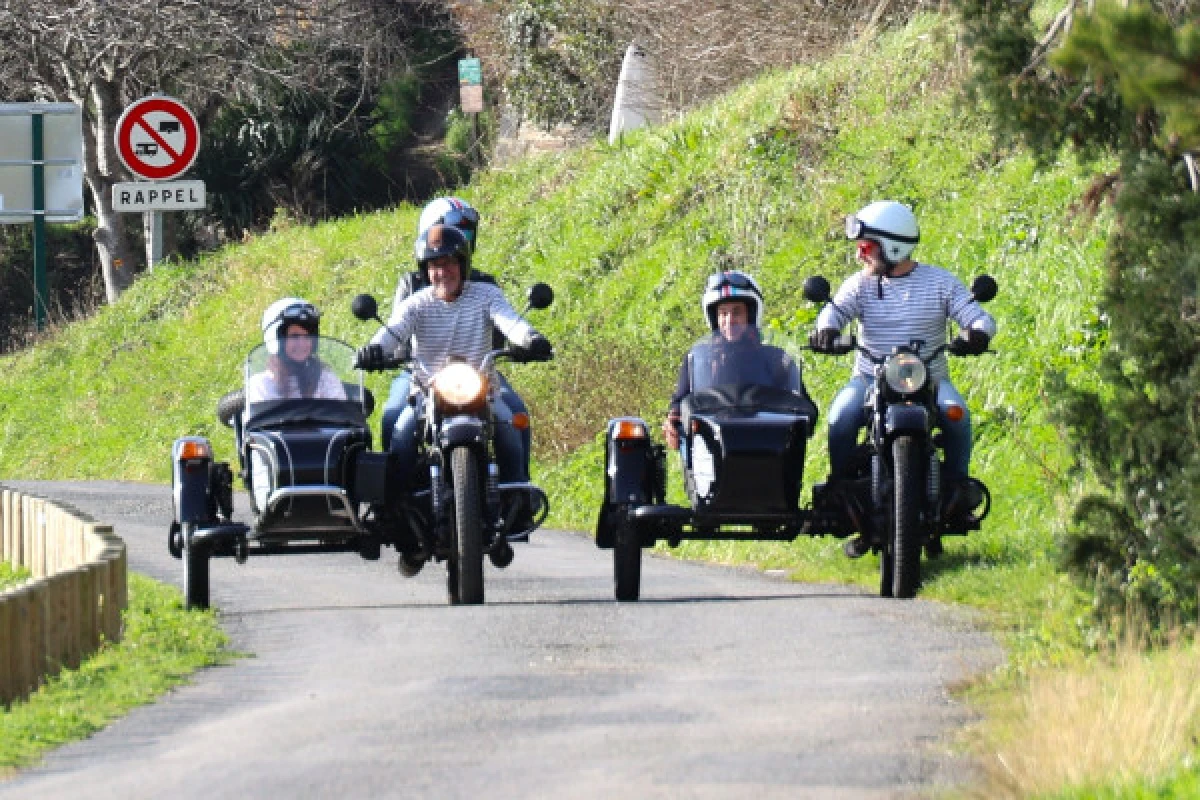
x,y
1112,720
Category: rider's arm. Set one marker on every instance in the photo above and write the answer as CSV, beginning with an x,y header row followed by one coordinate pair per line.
x,y
683,387
397,335
506,319
962,308
846,305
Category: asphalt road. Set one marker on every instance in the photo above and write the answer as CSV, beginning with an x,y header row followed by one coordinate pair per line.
x,y
722,682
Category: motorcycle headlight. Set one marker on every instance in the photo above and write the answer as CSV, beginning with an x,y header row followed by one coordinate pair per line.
x,y
904,373
459,385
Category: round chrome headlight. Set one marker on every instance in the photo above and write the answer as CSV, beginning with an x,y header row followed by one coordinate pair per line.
x,y
459,384
904,373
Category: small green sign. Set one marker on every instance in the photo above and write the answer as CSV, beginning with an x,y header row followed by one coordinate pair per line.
x,y
470,72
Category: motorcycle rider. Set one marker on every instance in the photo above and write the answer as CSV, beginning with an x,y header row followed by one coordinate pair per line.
x,y
733,307
453,315
460,214
290,327
897,300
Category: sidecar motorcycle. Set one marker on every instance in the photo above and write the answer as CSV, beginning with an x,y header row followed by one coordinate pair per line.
x,y
742,449
316,486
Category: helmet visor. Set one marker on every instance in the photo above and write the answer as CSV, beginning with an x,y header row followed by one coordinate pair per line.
x,y
462,219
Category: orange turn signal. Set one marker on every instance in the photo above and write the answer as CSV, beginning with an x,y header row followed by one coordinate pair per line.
x,y
955,413
520,421
629,429
193,450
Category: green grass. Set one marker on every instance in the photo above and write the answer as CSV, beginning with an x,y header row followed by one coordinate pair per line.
x,y
162,646
11,576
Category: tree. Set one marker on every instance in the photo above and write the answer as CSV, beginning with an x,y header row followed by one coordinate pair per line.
x,y
1122,79
103,54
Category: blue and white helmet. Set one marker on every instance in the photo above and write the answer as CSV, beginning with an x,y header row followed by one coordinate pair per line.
x,y
732,285
288,311
450,211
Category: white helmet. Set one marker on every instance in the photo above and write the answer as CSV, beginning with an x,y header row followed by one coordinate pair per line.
x,y
453,212
733,285
288,311
890,224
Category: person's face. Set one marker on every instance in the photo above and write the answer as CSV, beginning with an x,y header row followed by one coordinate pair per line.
x,y
445,274
870,255
297,342
732,319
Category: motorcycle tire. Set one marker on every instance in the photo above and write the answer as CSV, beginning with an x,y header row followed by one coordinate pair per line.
x,y
230,405
195,570
627,558
907,493
465,581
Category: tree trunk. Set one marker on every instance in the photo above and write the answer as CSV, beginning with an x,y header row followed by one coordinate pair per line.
x,y
100,162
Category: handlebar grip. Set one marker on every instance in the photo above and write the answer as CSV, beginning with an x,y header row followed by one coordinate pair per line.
x,y
843,345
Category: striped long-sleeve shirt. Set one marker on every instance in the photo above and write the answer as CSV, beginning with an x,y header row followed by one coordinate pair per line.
x,y
894,311
432,330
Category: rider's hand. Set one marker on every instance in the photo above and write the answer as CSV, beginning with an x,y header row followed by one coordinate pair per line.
x,y
823,339
371,358
540,348
670,431
971,342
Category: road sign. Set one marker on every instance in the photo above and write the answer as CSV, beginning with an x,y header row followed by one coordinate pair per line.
x,y
471,99
157,138
470,72
61,162
158,196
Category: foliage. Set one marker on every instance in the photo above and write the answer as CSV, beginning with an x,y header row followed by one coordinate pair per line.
x,y
9,576
1123,78
162,645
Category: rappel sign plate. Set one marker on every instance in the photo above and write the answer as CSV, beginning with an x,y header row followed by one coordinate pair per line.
x,y
157,138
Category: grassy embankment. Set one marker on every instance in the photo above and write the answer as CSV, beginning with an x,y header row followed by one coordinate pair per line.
x,y
760,179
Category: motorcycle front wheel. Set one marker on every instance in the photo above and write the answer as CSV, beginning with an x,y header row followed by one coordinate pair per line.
x,y
907,492
465,566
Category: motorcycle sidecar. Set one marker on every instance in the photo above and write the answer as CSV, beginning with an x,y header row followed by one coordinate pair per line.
x,y
742,452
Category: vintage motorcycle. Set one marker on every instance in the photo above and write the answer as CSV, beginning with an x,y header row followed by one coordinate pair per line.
x,y
895,496
315,485
742,448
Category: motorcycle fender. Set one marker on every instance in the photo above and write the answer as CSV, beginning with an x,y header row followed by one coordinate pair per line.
x,y
460,431
628,468
190,481
906,419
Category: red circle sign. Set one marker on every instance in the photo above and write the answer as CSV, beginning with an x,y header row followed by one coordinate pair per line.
x,y
157,138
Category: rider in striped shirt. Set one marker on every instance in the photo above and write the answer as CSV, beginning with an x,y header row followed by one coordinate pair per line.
x,y
896,300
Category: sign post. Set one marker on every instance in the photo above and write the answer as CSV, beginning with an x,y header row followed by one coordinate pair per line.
x,y
34,137
157,139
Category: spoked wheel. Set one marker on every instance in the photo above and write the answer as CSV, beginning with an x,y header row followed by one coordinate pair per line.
x,y
906,517
627,558
465,579
195,569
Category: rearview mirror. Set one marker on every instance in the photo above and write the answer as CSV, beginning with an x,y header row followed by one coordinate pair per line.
x,y
540,296
364,307
816,289
984,288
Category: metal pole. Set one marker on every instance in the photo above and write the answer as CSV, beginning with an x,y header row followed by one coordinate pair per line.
x,y
39,224
153,229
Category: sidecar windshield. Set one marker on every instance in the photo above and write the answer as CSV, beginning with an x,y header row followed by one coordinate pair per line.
x,y
304,378
748,361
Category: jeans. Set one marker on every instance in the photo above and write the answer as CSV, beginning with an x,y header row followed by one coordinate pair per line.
x,y
847,416
507,440
398,400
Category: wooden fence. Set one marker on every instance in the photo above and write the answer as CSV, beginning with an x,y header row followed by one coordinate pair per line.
x,y
74,600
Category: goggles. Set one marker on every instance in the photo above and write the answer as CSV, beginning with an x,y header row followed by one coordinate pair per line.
x,y
465,221
857,229
305,316
735,279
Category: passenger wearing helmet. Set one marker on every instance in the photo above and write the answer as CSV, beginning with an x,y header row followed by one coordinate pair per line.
x,y
897,300
451,317
290,328
458,214
733,307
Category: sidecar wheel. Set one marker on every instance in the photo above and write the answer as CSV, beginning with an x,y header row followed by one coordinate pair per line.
x,y
466,561
195,570
906,527
627,559
230,405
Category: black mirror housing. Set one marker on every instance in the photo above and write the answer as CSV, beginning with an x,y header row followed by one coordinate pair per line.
x,y
540,296
816,289
364,307
984,288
